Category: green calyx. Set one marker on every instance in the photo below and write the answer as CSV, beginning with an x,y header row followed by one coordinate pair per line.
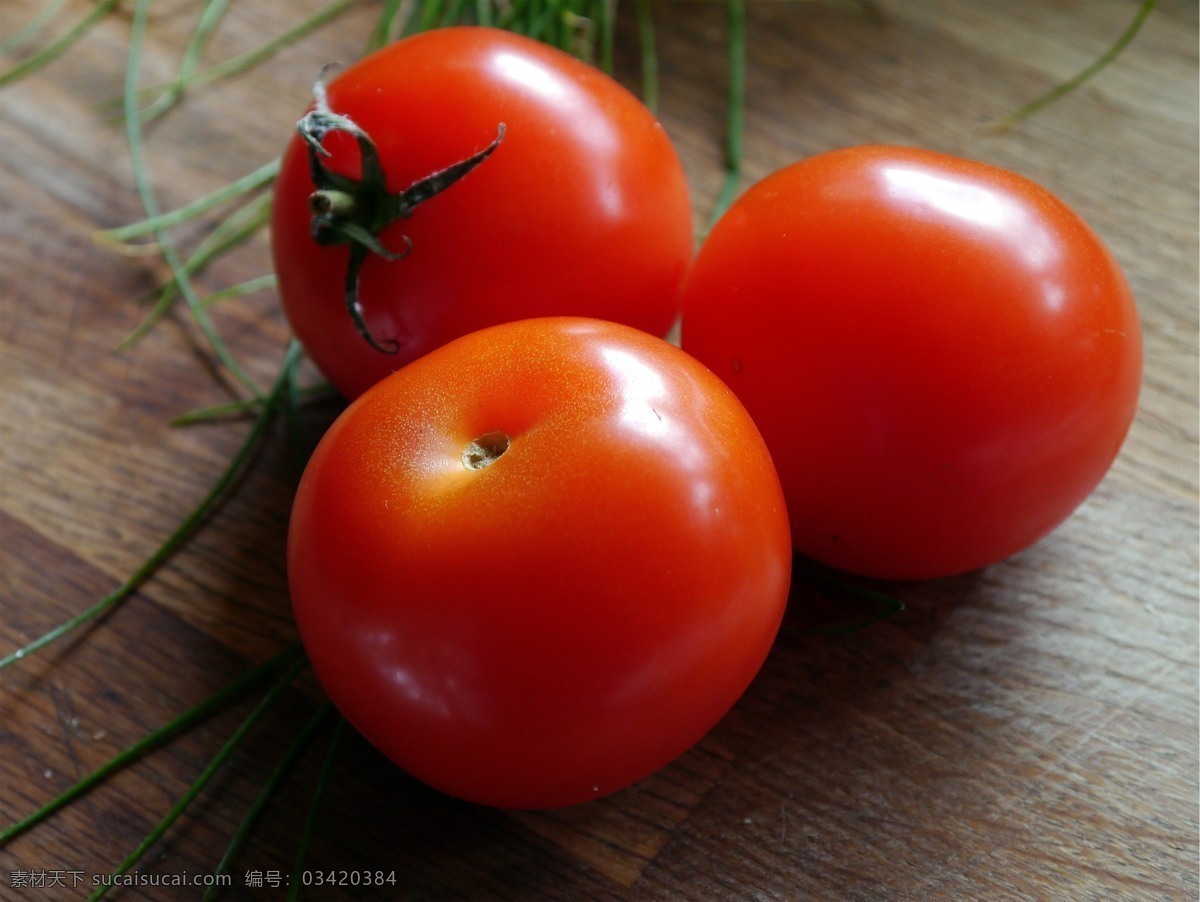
x,y
355,211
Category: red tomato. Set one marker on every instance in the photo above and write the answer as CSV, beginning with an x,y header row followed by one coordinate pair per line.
x,y
542,561
581,209
943,358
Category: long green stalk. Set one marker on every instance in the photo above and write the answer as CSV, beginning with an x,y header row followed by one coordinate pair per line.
x,y
173,90
608,33
385,26
59,47
484,13
241,289
210,17
735,110
182,531
133,133
296,397
310,822
649,53
210,770
1074,82
230,233
254,57
150,742
293,753
28,31
264,175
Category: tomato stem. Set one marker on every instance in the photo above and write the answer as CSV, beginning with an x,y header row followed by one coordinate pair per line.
x,y
353,211
332,203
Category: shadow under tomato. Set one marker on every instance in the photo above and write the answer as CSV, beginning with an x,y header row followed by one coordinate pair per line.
x,y
860,759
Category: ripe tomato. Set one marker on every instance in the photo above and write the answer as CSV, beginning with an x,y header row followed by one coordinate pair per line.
x,y
581,208
540,562
943,358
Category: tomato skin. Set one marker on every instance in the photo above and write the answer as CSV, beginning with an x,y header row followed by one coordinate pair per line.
x,y
582,209
563,622
943,358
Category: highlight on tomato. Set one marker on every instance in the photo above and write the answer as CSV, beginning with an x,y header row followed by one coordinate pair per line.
x,y
542,561
943,358
464,177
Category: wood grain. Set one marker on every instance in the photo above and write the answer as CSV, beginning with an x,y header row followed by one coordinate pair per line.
x,y
1029,731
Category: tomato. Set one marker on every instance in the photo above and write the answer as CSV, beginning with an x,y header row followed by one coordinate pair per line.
x,y
942,357
575,202
540,562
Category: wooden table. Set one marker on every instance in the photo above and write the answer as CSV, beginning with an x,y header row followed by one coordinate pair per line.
x,y
1029,731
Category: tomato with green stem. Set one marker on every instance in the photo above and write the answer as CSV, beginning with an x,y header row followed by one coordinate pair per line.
x,y
540,562
942,356
465,177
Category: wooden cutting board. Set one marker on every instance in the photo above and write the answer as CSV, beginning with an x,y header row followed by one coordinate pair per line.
x,y
1029,731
